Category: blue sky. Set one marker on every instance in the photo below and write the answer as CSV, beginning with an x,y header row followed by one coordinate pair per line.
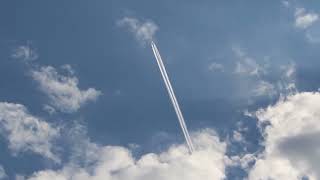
x,y
81,96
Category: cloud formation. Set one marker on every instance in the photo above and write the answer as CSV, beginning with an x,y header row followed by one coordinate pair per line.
x,y
25,53
304,19
264,88
291,139
63,90
247,65
143,31
117,163
215,67
287,83
25,132
263,78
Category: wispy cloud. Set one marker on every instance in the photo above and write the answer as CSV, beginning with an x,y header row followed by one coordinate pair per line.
x,y
62,90
246,65
287,84
26,132
25,52
61,87
215,67
261,73
307,21
264,88
143,31
49,109
285,3
237,136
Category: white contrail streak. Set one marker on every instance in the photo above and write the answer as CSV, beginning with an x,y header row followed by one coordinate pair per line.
x,y
172,96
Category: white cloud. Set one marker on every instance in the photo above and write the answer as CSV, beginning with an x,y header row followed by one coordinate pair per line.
x,y
309,23
216,67
26,132
303,19
143,31
117,163
289,70
25,52
68,68
291,140
63,90
243,161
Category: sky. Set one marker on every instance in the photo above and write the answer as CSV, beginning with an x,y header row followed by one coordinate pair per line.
x,y
81,95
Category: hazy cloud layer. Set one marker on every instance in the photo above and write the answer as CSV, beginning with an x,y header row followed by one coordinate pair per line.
x,y
25,53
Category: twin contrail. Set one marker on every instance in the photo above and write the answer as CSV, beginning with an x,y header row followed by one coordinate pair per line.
x,y
172,96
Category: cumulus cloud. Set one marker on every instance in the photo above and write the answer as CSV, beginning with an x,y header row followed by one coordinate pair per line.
x,y
143,31
25,52
25,132
117,163
291,140
304,19
63,90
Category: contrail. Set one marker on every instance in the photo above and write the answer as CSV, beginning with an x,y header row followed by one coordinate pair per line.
x,y
172,96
